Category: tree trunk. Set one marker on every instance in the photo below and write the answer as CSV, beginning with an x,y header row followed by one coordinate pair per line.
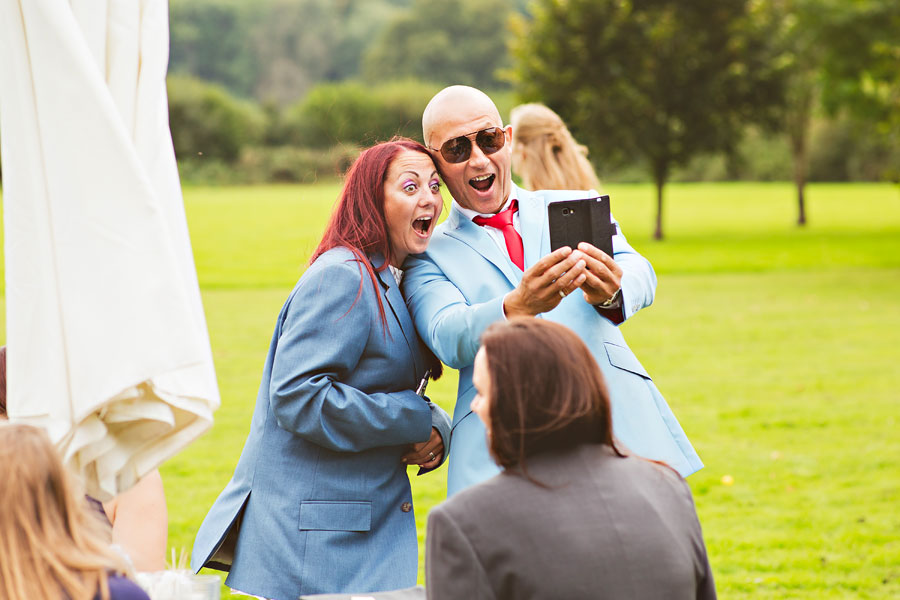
x,y
798,150
659,176
798,119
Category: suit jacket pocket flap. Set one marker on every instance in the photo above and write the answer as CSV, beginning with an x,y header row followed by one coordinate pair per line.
x,y
335,516
624,358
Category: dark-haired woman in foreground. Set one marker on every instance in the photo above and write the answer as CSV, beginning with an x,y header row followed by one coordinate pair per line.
x,y
320,501
570,516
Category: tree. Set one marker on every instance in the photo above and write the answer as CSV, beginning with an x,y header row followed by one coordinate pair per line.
x,y
207,121
463,41
355,114
274,50
659,79
861,66
209,41
800,51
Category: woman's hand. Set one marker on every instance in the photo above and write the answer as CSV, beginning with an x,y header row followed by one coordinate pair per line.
x,y
426,454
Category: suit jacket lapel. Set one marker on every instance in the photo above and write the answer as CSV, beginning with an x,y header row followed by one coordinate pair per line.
x,y
397,306
532,217
463,229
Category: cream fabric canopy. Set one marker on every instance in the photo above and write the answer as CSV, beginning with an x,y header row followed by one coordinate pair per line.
x,y
107,341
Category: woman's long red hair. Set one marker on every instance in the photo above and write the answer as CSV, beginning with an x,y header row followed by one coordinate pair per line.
x,y
358,222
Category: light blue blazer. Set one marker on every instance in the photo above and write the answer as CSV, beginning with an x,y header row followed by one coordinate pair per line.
x,y
455,290
319,501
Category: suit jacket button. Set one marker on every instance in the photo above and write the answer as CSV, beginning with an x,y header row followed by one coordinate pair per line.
x,y
406,506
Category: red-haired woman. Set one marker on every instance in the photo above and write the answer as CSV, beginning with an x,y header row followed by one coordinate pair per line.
x,y
570,516
320,501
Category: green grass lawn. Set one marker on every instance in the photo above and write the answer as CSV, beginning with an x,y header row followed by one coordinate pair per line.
x,y
777,348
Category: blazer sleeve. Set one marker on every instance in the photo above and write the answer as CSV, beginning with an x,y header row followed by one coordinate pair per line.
x,y
638,279
324,335
452,568
441,421
448,324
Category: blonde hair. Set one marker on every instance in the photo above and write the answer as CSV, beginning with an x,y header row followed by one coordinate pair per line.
x,y
544,153
52,545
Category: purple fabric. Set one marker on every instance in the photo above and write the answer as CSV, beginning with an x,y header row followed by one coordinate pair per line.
x,y
122,588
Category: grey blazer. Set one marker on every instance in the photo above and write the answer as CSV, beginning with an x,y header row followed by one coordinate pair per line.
x,y
607,527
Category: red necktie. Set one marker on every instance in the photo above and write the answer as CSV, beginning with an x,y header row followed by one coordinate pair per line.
x,y
503,221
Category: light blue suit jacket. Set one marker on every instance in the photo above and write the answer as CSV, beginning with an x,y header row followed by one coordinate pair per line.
x,y
455,290
319,501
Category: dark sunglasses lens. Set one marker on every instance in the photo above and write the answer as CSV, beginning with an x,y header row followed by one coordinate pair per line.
x,y
456,150
490,140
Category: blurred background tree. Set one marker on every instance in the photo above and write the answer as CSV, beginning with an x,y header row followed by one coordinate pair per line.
x,y
460,42
861,68
663,80
300,85
207,121
797,47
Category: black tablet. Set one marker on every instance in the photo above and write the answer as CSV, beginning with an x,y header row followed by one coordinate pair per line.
x,y
584,220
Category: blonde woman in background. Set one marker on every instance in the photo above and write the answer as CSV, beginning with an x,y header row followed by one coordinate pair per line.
x,y
52,545
544,153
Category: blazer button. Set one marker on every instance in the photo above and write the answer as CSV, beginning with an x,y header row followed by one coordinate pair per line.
x,y
406,506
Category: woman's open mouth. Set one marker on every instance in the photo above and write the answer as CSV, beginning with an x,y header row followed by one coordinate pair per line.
x,y
422,225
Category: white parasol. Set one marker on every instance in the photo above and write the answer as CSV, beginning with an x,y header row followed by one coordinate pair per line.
x,y
107,341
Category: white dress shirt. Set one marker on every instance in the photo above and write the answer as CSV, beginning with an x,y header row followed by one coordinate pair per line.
x,y
496,234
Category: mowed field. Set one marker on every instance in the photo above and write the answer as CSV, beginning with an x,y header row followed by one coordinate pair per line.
x,y
777,348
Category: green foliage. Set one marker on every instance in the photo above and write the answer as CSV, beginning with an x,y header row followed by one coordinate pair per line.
x,y
660,79
206,121
463,41
270,164
848,149
862,57
209,41
862,65
663,79
354,113
291,164
274,50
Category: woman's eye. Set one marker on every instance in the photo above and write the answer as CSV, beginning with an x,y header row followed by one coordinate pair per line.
x,y
409,188
435,187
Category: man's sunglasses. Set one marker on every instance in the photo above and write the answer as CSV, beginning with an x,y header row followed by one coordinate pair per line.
x,y
459,149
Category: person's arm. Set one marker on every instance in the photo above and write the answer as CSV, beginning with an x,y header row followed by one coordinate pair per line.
x,y
140,522
706,586
444,319
323,339
626,271
452,568
452,327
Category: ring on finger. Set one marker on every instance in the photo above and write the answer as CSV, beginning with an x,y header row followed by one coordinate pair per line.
x,y
431,456
562,294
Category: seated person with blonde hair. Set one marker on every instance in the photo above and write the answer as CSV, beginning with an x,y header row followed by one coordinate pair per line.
x,y
138,516
52,545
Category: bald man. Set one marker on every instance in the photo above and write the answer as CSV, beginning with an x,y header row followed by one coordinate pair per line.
x,y
491,260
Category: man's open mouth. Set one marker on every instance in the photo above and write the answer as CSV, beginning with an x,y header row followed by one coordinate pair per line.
x,y
482,183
